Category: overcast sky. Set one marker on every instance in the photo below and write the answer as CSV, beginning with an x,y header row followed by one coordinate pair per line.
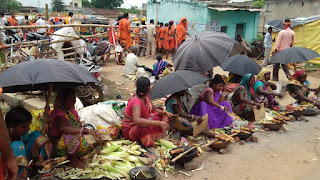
x,y
35,3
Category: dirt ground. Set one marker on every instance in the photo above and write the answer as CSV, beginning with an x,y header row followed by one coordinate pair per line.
x,y
294,154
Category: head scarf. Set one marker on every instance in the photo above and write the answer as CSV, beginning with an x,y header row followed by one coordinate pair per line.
x,y
261,74
299,74
245,83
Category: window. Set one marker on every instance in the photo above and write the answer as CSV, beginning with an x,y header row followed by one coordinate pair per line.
x,y
224,29
75,4
302,4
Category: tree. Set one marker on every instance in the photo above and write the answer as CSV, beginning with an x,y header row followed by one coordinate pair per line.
x,y
106,4
259,4
57,6
131,10
13,5
86,3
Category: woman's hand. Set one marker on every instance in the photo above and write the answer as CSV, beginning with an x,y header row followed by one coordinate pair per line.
x,y
169,114
279,95
257,104
198,119
96,134
11,166
165,126
43,163
226,108
317,104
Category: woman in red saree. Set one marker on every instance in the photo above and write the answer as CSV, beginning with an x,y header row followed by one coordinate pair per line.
x,y
143,122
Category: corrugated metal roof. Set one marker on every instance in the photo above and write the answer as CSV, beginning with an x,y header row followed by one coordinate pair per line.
x,y
235,9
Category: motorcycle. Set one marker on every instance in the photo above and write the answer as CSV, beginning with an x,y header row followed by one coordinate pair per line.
x,y
94,51
257,49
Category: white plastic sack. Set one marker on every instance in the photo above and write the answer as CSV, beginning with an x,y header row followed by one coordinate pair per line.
x,y
142,73
78,106
69,31
99,114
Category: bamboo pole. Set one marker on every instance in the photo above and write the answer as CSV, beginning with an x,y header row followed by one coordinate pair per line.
x,y
47,108
56,26
71,48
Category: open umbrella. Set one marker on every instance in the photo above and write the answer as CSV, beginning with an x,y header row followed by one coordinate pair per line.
x,y
241,65
293,55
277,25
175,82
44,75
205,51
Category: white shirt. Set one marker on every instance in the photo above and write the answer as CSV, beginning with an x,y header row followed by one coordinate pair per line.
x,y
41,22
268,40
151,31
132,64
3,21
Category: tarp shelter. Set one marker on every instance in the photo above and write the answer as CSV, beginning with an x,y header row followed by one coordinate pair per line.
x,y
307,30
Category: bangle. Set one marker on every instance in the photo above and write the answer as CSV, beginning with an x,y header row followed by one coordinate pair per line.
x,y
192,116
222,108
30,162
81,130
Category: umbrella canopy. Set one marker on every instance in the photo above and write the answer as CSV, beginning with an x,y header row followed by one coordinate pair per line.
x,y
175,82
293,55
36,75
205,51
241,65
277,25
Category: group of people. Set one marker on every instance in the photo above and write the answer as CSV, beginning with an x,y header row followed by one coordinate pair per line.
x,y
143,122
162,37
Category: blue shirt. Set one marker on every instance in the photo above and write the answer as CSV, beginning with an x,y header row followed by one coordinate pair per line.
x,y
268,40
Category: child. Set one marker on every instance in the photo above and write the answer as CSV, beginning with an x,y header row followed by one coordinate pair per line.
x,y
122,51
160,66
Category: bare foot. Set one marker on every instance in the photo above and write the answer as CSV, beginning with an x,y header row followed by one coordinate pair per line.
x,y
76,163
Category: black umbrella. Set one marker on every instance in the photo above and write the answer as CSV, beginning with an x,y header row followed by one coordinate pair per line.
x,y
175,82
241,65
44,75
205,51
293,55
275,24
36,75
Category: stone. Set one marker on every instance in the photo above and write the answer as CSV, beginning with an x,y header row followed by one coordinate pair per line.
x,y
223,151
301,118
242,143
307,120
34,104
189,166
292,118
254,138
266,129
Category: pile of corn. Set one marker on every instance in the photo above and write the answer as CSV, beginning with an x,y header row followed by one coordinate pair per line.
x,y
113,160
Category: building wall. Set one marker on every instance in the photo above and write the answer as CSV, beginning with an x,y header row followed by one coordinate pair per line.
x,y
79,2
281,9
195,12
231,18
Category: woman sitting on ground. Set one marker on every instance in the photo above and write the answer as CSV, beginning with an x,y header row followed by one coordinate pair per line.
x,y
243,99
32,151
234,78
142,121
299,90
65,128
174,105
211,102
160,66
264,89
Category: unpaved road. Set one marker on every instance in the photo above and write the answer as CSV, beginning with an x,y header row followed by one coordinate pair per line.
x,y
294,154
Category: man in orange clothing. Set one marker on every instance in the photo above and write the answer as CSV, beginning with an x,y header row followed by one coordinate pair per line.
x,y
170,42
160,38
12,20
137,34
125,30
182,31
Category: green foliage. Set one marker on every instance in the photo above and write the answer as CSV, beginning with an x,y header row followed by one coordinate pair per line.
x,y
12,5
86,4
57,6
259,37
131,10
259,4
106,4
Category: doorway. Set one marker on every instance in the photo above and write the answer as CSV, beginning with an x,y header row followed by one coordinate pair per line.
x,y
240,30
